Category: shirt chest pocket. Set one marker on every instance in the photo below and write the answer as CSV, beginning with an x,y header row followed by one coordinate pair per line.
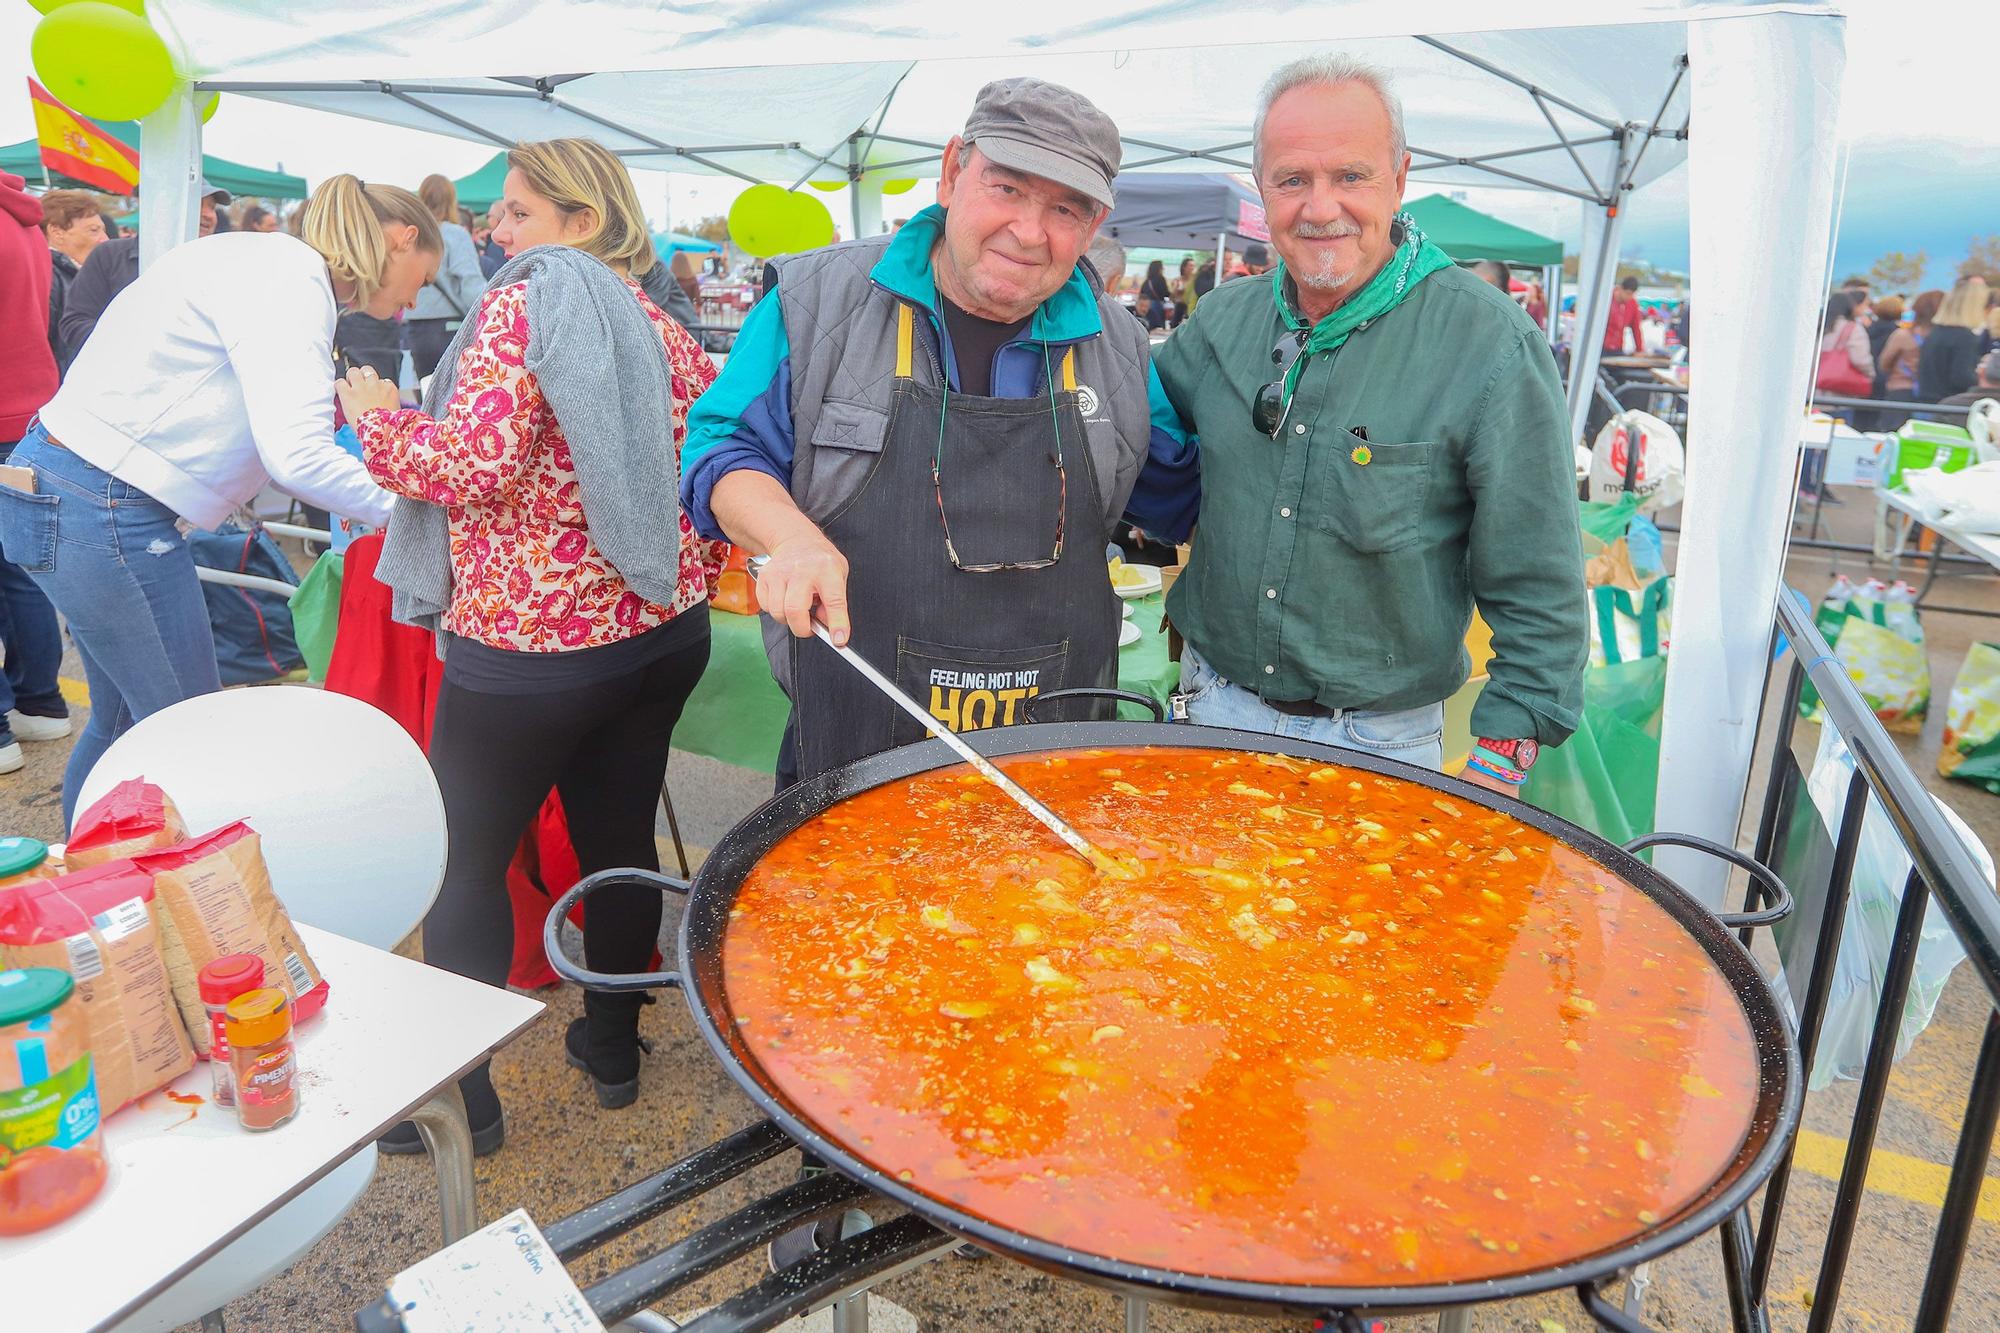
x,y
1369,495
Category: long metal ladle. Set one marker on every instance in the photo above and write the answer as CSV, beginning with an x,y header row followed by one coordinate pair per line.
x,y
1048,818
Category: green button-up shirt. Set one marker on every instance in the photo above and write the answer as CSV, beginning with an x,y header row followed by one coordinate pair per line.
x,y
1424,467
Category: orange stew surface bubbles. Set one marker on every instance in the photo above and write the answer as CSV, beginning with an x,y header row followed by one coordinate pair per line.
x,y
1337,1030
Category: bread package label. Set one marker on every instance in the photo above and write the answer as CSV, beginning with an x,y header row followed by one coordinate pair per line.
x,y
133,817
215,898
99,926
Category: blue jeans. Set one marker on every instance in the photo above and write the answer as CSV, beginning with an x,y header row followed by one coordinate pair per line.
x,y
1413,735
33,640
112,560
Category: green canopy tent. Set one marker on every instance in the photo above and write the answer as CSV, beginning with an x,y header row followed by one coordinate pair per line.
x,y
481,189
24,159
1466,234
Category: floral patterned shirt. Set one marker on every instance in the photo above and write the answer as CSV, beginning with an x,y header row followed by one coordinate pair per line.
x,y
525,574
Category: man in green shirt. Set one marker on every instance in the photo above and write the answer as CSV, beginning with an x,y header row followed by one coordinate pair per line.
x,y
1384,445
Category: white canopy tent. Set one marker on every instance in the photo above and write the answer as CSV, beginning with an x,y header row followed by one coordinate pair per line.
x,y
1590,101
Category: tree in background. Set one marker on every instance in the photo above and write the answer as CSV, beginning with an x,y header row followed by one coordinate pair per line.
x,y
1899,272
713,228
1982,257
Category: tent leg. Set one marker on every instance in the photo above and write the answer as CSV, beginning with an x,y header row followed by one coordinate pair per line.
x,y
1552,297
1593,311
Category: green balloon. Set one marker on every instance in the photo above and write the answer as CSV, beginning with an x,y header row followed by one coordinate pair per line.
x,y
103,61
208,107
827,187
903,186
131,6
811,226
759,220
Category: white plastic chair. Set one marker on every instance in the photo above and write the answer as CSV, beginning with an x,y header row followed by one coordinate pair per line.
x,y
353,832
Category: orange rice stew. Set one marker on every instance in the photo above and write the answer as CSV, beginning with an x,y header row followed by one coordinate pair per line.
x,y
1336,1030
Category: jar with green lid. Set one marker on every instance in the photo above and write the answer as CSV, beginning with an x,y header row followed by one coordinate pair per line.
x,y
23,859
51,1160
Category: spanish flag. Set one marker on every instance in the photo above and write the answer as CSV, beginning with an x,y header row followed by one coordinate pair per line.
x,y
76,148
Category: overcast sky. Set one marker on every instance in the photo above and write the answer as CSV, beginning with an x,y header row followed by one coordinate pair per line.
x,y
1919,98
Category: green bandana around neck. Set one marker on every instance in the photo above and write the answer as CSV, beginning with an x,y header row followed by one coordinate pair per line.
x,y
1415,259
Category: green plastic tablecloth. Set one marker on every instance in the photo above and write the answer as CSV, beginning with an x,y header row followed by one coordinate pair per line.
x,y
737,714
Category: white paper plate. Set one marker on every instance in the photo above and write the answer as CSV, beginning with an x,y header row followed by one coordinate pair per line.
x,y
1128,634
1125,609
1148,585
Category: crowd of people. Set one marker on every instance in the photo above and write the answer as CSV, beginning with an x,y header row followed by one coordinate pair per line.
x,y
933,435
1928,349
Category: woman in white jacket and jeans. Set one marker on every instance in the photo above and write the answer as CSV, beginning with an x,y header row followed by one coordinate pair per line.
x,y
209,376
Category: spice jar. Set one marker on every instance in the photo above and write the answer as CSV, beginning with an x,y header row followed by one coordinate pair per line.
x,y
51,1162
220,982
22,860
258,1028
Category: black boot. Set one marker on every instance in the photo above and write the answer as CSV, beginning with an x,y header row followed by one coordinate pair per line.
x,y
605,1043
482,1113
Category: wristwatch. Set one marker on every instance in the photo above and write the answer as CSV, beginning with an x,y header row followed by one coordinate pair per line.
x,y
1521,754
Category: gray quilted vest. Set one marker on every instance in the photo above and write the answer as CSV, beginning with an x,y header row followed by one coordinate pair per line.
x,y
841,328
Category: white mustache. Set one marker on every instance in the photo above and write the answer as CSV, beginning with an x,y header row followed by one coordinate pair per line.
x,y
1324,231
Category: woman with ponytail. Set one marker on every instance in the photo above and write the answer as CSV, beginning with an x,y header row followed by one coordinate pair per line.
x,y
539,534
209,377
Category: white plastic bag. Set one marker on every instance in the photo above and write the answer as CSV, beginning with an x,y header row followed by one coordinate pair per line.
x,y
1875,894
1968,499
1661,475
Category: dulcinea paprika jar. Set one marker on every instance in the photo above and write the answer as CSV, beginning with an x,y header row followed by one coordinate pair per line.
x,y
259,1031
220,982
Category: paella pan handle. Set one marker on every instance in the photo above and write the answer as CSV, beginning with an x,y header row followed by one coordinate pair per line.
x,y
1096,692
1766,878
604,981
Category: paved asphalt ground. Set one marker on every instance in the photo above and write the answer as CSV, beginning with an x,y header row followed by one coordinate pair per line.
x,y
562,1151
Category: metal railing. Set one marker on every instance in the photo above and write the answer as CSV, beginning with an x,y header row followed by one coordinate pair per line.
x,y
1943,869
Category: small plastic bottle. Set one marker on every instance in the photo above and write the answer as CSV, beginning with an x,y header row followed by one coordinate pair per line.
x,y
1840,594
259,1030
221,981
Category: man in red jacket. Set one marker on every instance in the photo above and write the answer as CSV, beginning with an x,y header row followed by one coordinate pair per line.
x,y
31,704
1624,316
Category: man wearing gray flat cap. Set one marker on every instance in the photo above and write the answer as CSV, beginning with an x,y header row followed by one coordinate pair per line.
x,y
934,435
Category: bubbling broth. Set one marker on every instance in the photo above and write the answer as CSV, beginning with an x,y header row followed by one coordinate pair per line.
x,y
1338,1030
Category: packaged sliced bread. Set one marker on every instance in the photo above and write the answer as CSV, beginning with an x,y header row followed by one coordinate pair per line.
x,y
99,926
132,818
214,897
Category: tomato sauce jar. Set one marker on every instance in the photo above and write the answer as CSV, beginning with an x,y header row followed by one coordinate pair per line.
x,y
259,1031
51,1160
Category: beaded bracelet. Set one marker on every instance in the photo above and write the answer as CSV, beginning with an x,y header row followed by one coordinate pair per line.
x,y
1509,776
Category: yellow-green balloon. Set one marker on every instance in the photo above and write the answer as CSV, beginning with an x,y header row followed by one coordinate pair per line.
x,y
208,107
898,186
133,6
811,226
103,61
827,187
760,220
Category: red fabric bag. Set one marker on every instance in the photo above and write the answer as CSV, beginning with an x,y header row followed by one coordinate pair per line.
x,y
396,668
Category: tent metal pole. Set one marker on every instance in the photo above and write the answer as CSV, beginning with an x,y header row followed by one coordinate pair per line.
x,y
1550,186
1541,104
1480,159
1592,311
1552,296
477,131
1520,82
1680,73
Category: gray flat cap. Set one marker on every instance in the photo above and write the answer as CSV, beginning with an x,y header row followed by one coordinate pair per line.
x,y
1046,130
